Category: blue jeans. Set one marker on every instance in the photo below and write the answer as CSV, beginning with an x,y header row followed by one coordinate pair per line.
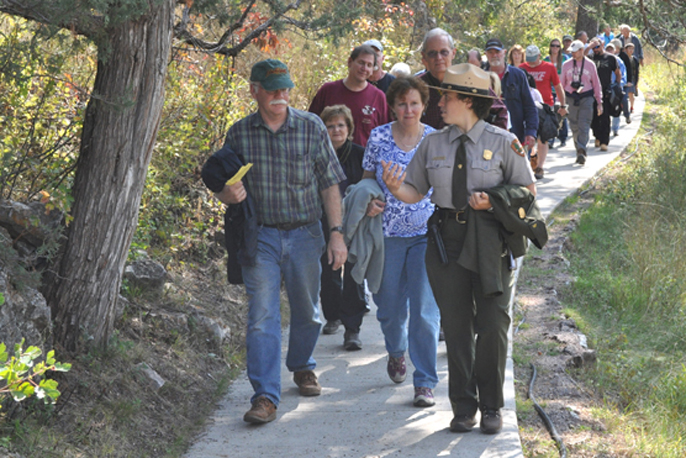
x,y
405,290
294,256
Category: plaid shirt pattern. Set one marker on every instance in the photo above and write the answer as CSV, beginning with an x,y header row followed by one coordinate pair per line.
x,y
290,166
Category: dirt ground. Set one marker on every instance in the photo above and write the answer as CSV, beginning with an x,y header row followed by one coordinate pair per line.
x,y
552,343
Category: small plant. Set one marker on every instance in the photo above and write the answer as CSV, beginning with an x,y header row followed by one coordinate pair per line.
x,y
20,373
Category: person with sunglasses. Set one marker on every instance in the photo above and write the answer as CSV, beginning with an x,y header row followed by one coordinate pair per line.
x,y
607,65
557,57
438,51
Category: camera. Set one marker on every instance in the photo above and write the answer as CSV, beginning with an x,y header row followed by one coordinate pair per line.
x,y
577,85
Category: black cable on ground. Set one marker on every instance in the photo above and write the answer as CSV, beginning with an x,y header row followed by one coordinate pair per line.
x,y
544,416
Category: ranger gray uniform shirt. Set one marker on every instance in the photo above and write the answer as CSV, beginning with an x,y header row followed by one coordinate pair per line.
x,y
494,156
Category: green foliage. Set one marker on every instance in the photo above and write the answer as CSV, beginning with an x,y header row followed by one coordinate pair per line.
x,y
22,377
631,274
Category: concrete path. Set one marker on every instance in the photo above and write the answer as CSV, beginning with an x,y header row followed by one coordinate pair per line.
x,y
361,413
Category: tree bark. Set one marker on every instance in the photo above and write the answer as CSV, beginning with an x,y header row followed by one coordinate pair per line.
x,y
119,132
587,17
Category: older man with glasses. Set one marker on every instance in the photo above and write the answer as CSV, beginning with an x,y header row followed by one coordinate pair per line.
x,y
438,52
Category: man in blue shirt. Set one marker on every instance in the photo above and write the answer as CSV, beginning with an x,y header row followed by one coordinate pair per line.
x,y
515,91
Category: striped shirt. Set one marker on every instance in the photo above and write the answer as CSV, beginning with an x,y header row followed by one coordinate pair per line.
x,y
290,166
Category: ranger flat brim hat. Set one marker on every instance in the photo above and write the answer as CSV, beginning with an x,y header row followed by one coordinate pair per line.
x,y
467,79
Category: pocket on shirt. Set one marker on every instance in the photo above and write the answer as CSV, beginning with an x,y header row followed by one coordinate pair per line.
x,y
440,173
299,169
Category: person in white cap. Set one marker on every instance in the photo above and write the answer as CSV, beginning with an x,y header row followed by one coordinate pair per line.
x,y
546,78
462,163
580,81
380,78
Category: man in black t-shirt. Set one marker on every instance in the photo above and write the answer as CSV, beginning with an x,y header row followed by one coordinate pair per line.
x,y
606,64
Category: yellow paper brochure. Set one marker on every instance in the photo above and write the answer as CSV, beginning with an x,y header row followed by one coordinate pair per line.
x,y
240,174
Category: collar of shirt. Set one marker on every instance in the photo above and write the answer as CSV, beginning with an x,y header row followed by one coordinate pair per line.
x,y
474,134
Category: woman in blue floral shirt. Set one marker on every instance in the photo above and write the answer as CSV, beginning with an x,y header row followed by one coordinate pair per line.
x,y
405,294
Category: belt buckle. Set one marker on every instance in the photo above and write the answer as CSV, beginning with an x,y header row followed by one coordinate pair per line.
x,y
457,217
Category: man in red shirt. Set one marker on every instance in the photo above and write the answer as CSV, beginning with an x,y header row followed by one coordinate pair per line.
x,y
546,78
366,102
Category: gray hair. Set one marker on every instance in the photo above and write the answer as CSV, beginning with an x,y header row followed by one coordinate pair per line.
x,y
437,32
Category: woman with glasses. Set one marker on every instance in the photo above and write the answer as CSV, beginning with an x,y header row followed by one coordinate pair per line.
x,y
343,300
462,164
407,310
557,58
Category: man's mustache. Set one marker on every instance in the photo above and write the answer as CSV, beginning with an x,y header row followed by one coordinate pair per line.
x,y
278,102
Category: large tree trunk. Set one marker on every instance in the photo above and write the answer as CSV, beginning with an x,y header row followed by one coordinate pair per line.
x,y
119,132
587,17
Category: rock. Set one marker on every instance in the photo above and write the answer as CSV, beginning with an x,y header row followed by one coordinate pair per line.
x,y
215,328
168,321
585,358
31,222
146,274
156,382
24,314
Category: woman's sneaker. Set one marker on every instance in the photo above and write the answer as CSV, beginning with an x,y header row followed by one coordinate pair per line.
x,y
423,397
396,369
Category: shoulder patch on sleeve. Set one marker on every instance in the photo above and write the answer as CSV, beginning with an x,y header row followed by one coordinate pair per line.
x,y
517,147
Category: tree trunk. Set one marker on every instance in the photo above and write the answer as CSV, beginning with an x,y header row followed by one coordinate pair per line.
x,y
119,132
587,17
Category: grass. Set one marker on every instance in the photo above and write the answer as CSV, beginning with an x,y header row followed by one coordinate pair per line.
x,y
629,296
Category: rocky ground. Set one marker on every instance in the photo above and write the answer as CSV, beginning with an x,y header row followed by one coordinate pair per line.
x,y
550,341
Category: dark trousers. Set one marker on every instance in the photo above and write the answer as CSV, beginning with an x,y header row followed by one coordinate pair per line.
x,y
601,124
342,298
476,367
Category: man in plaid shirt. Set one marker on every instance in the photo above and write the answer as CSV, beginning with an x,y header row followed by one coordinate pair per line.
x,y
295,172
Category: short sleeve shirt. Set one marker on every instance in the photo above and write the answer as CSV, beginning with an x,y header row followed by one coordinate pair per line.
x,y
290,166
399,219
546,78
494,157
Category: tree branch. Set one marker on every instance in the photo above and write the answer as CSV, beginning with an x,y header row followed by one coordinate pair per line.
x,y
46,12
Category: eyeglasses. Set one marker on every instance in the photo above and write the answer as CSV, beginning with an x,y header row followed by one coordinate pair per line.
x,y
596,47
433,54
554,46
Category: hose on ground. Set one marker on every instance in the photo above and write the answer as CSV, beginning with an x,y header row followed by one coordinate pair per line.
x,y
544,416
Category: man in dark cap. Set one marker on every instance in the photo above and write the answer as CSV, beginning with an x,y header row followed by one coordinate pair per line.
x,y
515,87
294,173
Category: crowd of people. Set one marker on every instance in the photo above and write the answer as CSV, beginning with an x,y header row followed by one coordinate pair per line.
x,y
404,182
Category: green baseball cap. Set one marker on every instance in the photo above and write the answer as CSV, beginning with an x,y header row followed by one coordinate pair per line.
x,y
272,74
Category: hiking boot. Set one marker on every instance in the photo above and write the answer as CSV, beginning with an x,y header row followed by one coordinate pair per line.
x,y
307,383
580,159
423,397
538,173
262,411
462,423
628,119
491,421
351,341
603,147
331,327
396,369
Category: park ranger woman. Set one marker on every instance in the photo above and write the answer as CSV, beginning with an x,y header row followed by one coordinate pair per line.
x,y
470,165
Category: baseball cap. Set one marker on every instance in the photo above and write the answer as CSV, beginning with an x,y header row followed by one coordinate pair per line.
x,y
576,45
532,53
567,38
374,44
629,44
272,74
494,43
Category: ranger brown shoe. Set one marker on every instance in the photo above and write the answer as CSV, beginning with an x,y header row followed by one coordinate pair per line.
x,y
491,421
263,411
462,423
307,383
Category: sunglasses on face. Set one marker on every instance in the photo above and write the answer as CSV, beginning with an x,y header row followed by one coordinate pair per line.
x,y
554,46
433,54
596,47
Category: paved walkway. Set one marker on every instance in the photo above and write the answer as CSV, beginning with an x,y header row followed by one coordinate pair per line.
x,y
361,413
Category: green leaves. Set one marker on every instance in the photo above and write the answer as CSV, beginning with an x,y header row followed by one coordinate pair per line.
x,y
22,375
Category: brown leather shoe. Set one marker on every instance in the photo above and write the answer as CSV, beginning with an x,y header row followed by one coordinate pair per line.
x,y
307,383
491,421
462,423
603,147
263,411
